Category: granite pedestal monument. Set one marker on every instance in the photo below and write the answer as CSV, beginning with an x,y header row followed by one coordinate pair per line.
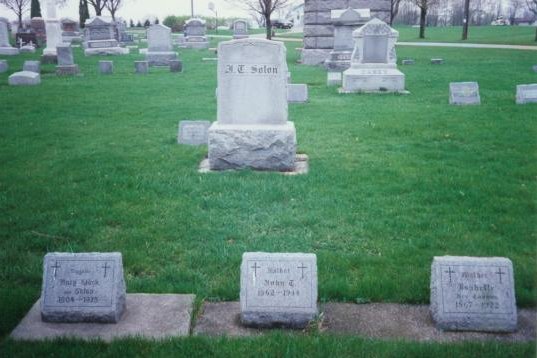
x,y
195,34
53,32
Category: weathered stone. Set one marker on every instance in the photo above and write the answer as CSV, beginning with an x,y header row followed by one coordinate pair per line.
x,y
464,93
313,57
65,55
100,38
408,61
193,132
159,52
437,61
70,30
333,79
278,289
24,78
526,93
297,93
176,66
147,316
5,47
374,62
53,32
83,287
67,70
534,68
32,66
240,29
106,67
473,294
195,34
4,66
141,67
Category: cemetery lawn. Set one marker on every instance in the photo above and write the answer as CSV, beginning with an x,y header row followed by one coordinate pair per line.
x,y
90,163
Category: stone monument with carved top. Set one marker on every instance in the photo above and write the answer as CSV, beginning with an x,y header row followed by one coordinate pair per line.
x,y
374,61
100,38
240,29
195,34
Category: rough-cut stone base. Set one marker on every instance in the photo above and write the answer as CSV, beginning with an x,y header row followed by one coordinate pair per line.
x,y
301,166
69,70
49,59
106,51
160,58
153,316
276,319
9,51
373,80
314,57
262,147
24,78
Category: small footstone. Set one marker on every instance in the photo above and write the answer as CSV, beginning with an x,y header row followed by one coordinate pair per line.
x,y
24,78
297,93
176,66
437,61
83,287
49,59
278,289
141,67
464,93
535,68
526,93
473,294
408,61
333,79
4,66
106,67
193,132
32,66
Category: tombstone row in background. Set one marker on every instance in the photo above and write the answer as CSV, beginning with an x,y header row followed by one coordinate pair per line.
x,y
276,290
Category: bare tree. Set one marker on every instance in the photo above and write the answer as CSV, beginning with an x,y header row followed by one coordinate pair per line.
x,y
112,6
265,8
98,6
19,7
532,6
424,6
514,7
394,9
466,19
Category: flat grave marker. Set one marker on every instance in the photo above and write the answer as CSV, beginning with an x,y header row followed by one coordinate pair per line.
x,y
526,93
193,132
464,93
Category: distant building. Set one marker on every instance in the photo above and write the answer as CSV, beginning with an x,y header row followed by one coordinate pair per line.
x,y
296,15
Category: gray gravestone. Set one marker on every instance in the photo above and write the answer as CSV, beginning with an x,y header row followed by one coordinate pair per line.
x,y
437,61
101,37
252,130
193,132
297,93
278,289
66,65
106,67
176,66
24,78
83,287
333,79
240,29
464,93
535,68
473,294
195,31
5,46
4,66
141,67
159,42
32,66
526,93
408,61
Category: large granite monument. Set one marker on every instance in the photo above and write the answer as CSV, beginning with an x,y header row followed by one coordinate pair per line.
x,y
160,50
319,30
5,47
100,38
252,130
374,62
344,22
53,32
195,34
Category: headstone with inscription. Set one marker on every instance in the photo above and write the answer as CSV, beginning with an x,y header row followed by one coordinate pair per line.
x,y
100,38
252,130
66,63
344,22
160,50
24,78
473,294
195,34
5,47
464,93
240,29
526,93
193,132
70,30
83,287
374,62
278,289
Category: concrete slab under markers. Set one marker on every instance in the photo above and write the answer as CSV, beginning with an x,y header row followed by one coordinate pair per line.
x,y
301,166
150,316
222,318
410,322
205,59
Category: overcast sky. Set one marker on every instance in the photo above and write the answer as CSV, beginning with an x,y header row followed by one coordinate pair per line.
x,y
141,9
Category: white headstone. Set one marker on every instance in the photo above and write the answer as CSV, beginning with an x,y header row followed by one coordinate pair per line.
x,y
278,289
473,294
526,93
193,132
159,38
5,46
53,30
464,93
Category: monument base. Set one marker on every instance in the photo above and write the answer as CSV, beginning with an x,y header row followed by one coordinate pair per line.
x,y
161,58
277,319
238,37
196,44
49,59
67,70
314,57
106,51
338,61
262,147
9,51
373,80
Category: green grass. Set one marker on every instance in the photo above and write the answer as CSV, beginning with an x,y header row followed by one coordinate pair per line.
x,y
91,163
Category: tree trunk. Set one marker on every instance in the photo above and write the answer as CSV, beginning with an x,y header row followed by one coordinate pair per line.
x,y
268,25
423,17
466,19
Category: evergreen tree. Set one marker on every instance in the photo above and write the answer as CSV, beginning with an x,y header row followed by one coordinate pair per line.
x,y
35,9
147,23
139,24
83,12
156,21
131,23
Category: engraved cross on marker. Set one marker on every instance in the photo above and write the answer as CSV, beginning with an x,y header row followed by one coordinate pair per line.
x,y
449,271
105,267
500,273
255,267
302,267
56,267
